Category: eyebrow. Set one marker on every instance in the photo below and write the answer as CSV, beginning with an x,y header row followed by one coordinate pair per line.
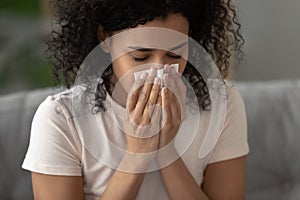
x,y
143,49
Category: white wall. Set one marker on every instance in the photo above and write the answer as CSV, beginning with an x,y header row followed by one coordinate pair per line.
x,y
272,32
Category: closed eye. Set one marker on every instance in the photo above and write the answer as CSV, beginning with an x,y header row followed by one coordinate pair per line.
x,y
175,56
145,58
140,59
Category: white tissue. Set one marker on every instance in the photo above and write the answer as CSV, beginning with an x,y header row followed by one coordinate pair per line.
x,y
160,72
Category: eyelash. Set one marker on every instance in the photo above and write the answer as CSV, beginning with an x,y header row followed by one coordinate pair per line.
x,y
145,58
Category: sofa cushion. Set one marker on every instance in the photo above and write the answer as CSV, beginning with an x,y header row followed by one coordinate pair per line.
x,y
273,165
16,114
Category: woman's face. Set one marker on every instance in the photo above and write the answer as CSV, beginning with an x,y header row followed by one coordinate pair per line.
x,y
134,49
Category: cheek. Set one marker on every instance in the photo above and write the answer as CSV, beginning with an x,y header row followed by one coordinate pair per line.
x,y
121,67
182,66
123,72
183,61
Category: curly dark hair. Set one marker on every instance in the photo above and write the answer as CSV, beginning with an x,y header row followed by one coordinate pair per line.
x,y
213,24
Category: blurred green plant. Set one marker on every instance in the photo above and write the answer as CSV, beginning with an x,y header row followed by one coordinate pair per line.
x,y
26,71
25,67
21,7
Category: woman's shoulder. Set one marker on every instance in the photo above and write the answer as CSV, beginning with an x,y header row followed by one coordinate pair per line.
x,y
234,98
231,141
63,101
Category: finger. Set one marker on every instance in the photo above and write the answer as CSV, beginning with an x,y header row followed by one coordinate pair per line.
x,y
172,82
152,98
133,95
182,91
165,103
156,116
157,111
159,99
177,78
145,92
174,105
168,79
180,84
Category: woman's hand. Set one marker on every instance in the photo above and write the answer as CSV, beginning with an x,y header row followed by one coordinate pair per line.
x,y
142,120
173,104
153,115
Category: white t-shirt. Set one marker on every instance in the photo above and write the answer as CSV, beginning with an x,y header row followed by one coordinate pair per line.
x,y
64,142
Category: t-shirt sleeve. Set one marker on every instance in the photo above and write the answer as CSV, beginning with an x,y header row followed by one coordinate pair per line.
x,y
232,142
53,148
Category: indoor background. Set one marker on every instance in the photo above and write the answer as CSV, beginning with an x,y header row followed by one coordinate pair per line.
x,y
270,27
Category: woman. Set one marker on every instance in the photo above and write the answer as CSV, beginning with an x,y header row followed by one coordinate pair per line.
x,y
64,167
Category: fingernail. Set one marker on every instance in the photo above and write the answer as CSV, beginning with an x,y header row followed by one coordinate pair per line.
x,y
165,90
152,72
143,76
166,67
156,81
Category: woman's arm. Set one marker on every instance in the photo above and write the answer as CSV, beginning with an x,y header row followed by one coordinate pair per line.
x,y
122,185
225,179
49,187
222,180
179,182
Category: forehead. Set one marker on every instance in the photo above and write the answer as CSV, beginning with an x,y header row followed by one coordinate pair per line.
x,y
146,37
